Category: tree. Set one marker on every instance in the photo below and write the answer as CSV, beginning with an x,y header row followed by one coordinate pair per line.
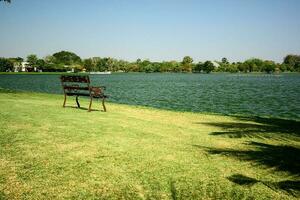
x,y
8,1
232,68
124,65
32,60
142,64
149,68
283,67
292,62
198,67
16,61
6,65
66,58
269,66
254,64
88,64
187,63
208,66
225,61
224,65
40,63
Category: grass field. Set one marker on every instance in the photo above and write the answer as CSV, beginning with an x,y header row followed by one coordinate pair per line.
x,y
129,152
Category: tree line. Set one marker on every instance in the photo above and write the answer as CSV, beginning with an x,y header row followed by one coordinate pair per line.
x,y
66,61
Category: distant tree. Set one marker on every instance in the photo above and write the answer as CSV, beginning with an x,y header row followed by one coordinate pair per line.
x,y
17,61
283,67
138,61
123,65
254,64
292,62
66,58
166,66
225,61
149,68
49,59
32,60
6,65
105,64
269,66
241,67
175,66
198,67
208,66
142,64
187,62
40,64
232,68
156,66
88,64
224,65
51,65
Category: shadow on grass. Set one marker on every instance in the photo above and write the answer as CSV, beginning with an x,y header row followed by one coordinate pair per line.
x,y
292,187
278,157
258,127
83,108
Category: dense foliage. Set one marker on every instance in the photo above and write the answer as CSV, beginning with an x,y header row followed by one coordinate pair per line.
x,y
66,61
6,65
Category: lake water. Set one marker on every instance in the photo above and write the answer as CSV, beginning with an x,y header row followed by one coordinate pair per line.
x,y
246,94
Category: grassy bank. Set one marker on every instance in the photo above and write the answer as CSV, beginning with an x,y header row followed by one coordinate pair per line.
x,y
50,152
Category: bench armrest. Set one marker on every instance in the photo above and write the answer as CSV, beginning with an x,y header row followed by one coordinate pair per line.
x,y
101,86
96,91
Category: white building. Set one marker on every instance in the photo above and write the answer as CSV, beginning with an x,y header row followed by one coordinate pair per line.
x,y
24,67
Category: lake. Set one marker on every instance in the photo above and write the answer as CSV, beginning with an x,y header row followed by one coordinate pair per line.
x,y
243,94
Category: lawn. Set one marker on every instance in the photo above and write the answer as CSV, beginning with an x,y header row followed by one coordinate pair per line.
x,y
131,152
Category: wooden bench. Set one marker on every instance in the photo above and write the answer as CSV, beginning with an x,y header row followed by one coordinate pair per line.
x,y
77,85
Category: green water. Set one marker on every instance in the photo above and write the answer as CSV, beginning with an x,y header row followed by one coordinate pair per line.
x,y
246,94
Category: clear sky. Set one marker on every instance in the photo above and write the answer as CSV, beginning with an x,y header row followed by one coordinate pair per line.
x,y
152,29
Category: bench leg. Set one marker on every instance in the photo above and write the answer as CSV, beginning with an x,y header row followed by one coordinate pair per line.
x,y
78,105
90,105
103,104
64,105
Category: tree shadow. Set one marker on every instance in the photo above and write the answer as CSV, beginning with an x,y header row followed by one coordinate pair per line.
x,y
278,157
258,127
292,187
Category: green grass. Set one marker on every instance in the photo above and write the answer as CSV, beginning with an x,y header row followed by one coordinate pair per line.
x,y
129,152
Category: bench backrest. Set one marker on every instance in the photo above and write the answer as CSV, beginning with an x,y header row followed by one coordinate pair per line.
x,y
75,83
75,79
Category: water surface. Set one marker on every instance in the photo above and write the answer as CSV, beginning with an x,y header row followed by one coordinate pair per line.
x,y
246,94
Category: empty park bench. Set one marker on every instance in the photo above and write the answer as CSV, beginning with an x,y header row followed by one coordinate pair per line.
x,y
76,85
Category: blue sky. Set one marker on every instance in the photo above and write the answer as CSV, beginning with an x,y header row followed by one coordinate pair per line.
x,y
152,29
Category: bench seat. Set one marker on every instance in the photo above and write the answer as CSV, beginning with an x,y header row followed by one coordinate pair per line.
x,y
85,94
